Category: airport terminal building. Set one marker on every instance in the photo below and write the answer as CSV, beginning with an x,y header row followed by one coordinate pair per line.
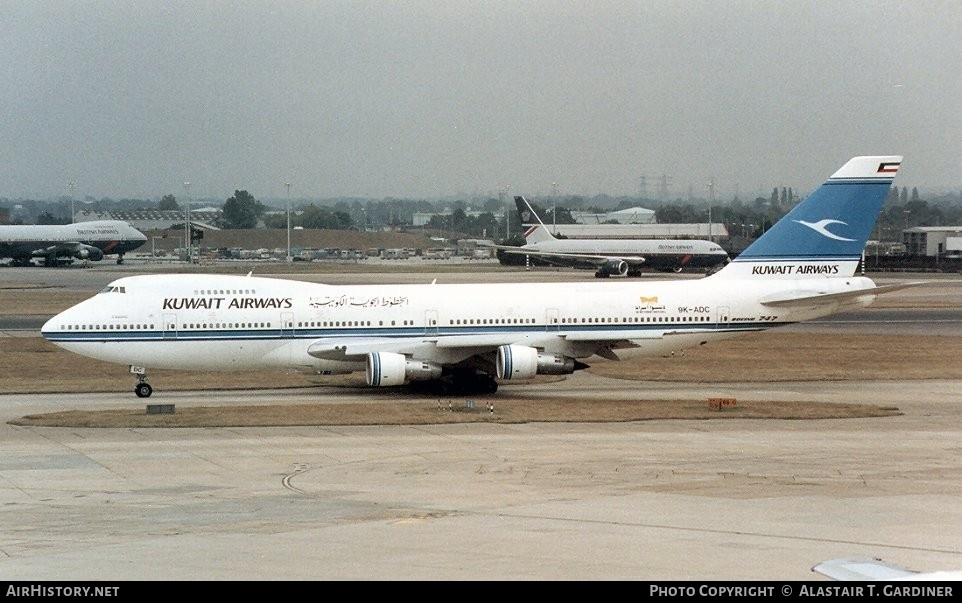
x,y
155,219
933,241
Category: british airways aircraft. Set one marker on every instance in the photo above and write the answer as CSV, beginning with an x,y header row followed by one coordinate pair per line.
x,y
80,240
613,257
468,338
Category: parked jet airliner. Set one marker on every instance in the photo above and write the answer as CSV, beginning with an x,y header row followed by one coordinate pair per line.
x,y
80,240
470,337
613,257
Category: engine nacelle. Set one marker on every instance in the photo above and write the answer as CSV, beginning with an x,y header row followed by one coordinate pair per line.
x,y
384,369
613,268
524,362
89,252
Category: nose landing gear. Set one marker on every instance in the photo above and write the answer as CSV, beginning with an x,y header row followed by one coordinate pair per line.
x,y
142,389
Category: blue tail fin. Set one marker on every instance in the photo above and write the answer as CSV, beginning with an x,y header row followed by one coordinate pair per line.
x,y
826,233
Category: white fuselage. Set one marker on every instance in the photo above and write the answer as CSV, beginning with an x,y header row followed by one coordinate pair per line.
x,y
628,247
653,253
468,336
211,322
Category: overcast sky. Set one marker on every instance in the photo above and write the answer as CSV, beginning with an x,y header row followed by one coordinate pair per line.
x,y
426,99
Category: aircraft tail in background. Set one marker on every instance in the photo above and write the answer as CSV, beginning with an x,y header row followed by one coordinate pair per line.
x,y
536,232
614,256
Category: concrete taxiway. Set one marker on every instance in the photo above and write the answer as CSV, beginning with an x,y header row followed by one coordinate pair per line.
x,y
663,500
724,499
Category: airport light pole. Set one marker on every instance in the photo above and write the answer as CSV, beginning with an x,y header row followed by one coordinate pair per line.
x,y
507,215
288,185
711,201
187,233
71,185
554,208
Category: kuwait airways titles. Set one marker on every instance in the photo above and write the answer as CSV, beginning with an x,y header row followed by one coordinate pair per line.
x,y
214,303
793,269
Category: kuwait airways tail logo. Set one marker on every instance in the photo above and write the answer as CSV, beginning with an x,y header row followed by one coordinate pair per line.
x,y
821,227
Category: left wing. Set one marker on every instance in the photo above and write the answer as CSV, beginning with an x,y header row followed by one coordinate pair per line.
x,y
453,348
449,348
74,249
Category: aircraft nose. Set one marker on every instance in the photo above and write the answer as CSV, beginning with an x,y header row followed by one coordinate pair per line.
x,y
54,325
51,326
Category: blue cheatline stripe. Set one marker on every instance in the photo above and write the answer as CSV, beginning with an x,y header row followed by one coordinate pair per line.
x,y
867,180
416,333
808,258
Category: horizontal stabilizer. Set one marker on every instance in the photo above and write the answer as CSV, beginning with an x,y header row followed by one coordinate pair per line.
x,y
807,297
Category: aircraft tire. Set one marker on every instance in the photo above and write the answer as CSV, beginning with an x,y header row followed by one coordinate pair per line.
x,y
143,390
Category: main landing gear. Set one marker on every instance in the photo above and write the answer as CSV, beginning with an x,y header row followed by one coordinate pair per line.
x,y
464,383
142,389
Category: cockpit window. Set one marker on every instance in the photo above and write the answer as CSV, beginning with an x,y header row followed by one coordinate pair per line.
x,y
113,289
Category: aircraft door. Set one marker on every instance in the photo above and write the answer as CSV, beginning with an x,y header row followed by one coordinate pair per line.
x,y
551,320
723,316
287,325
430,322
170,326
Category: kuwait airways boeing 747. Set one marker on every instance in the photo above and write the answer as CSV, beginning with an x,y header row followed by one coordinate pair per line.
x,y
468,338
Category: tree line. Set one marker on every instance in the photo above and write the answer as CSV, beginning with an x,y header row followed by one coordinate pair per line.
x,y
496,218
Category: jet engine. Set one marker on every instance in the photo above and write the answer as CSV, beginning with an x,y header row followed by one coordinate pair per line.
x,y
523,362
612,268
384,369
88,252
